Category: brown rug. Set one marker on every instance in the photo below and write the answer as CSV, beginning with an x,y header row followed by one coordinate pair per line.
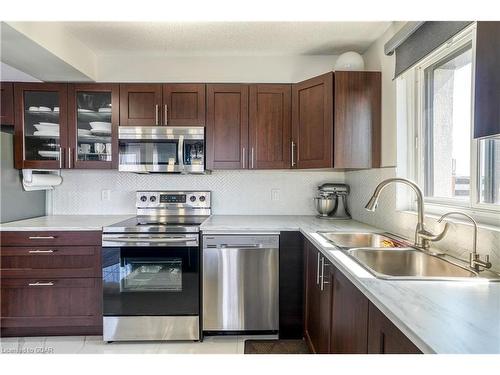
x,y
276,347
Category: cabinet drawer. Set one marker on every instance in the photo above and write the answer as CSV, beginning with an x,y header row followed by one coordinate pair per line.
x,y
35,302
55,261
50,238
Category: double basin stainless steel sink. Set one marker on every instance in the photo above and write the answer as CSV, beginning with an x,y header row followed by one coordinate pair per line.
x,y
390,258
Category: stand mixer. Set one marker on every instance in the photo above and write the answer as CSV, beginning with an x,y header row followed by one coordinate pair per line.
x,y
331,201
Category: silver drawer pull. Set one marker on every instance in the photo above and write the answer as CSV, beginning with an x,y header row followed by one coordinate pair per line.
x,y
41,237
40,251
38,283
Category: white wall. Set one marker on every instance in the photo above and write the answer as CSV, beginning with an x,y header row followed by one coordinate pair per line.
x,y
234,192
265,69
375,59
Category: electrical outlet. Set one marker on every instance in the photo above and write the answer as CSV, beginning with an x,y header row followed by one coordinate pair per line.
x,y
105,195
275,194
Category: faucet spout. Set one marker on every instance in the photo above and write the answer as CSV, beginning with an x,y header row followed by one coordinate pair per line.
x,y
475,261
421,235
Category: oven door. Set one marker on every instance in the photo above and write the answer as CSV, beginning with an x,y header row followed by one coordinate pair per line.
x,y
155,276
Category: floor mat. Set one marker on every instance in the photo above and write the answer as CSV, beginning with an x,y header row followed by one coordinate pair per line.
x,y
276,347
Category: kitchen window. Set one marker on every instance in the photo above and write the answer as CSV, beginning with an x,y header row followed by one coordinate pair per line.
x,y
453,169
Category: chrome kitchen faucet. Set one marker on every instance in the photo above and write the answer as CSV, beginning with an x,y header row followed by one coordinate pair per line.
x,y
422,236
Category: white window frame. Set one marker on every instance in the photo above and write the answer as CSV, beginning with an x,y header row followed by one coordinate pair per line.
x,y
414,122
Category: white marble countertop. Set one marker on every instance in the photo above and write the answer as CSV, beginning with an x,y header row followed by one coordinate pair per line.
x,y
438,316
64,222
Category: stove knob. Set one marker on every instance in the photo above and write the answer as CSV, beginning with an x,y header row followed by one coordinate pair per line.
x,y
202,198
192,198
152,198
144,198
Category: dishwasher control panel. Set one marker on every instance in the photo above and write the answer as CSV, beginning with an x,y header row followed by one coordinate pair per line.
x,y
241,241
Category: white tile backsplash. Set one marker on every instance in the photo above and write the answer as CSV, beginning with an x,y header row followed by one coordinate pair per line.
x,y
458,240
234,192
250,193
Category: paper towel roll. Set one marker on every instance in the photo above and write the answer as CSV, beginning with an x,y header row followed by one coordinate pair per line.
x,y
42,182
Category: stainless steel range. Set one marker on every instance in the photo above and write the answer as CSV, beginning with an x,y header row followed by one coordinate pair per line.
x,y
151,268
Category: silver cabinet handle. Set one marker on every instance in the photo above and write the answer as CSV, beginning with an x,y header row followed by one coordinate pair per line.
x,y
40,251
41,237
317,269
323,282
69,157
60,157
166,114
243,157
251,158
38,283
156,114
293,154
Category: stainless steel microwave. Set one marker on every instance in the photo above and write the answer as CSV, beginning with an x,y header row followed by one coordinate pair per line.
x,y
167,149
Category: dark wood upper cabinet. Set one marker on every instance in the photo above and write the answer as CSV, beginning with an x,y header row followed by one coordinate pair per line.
x,y
227,126
357,119
90,147
184,104
270,126
312,123
40,128
7,103
140,104
349,327
487,80
385,338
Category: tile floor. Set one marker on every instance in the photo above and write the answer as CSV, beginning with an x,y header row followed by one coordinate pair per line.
x,y
95,345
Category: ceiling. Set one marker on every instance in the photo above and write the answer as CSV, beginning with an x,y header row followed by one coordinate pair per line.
x,y
224,38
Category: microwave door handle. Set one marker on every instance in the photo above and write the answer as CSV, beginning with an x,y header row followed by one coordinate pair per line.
x,y
180,153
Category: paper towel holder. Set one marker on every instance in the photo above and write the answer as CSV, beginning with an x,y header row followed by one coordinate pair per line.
x,y
27,179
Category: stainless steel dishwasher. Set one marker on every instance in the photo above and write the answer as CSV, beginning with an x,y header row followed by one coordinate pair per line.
x,y
240,282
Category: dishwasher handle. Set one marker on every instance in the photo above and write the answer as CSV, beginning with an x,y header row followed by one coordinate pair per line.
x,y
240,246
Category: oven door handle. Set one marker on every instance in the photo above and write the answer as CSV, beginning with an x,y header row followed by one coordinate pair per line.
x,y
150,241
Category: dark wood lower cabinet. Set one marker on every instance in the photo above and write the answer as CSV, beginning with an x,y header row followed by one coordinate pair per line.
x,y
349,324
291,285
385,338
49,286
339,319
312,296
42,304
318,301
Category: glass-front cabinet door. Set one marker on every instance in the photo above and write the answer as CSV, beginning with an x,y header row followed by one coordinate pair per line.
x,y
93,122
40,125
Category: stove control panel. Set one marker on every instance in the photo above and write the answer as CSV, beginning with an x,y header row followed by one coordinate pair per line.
x,y
173,199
